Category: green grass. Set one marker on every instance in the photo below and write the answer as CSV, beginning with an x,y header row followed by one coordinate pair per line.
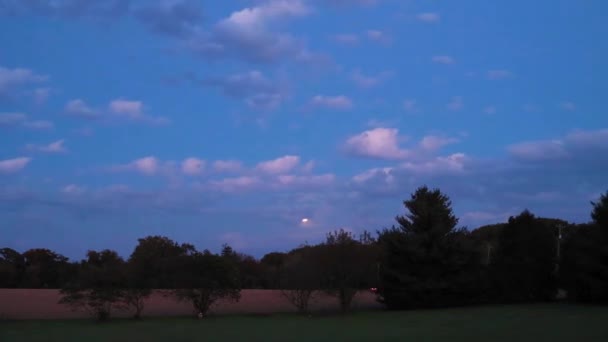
x,y
552,323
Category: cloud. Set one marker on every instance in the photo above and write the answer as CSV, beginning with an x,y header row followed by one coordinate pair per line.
x,y
346,38
129,109
12,119
67,8
567,106
250,34
11,80
20,120
573,148
280,165
453,163
79,108
118,108
378,36
227,165
443,60
235,184
193,166
455,104
379,143
173,17
498,74
13,165
433,142
255,89
490,110
41,95
369,81
73,189
409,105
308,180
147,166
429,17
338,102
54,147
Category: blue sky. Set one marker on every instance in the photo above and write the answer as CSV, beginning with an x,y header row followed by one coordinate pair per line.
x,y
213,122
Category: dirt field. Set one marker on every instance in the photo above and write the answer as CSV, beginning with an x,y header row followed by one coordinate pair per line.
x,y
42,304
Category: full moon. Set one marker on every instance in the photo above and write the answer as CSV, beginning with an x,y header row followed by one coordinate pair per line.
x,y
304,220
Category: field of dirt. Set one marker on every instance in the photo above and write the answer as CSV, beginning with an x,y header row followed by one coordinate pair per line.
x,y
42,304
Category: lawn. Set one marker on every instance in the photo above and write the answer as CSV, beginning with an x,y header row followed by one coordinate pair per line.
x,y
553,322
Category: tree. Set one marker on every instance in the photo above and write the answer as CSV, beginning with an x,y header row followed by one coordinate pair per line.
x,y
204,278
427,261
153,262
12,268
44,269
273,267
526,259
99,287
599,214
584,269
346,266
300,278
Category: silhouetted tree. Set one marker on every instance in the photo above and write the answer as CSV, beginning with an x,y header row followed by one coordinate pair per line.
x,y
345,265
427,261
584,270
44,269
525,261
300,277
99,286
12,268
153,262
272,264
204,278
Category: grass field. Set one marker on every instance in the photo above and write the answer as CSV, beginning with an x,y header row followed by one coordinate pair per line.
x,y
509,323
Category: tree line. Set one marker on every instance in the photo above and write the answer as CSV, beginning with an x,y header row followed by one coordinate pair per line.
x,y
425,260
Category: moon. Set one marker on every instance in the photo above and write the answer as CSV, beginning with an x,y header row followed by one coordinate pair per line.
x,y
305,220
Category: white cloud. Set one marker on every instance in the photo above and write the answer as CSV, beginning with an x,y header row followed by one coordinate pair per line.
x,y
365,176
39,125
73,189
409,105
499,74
54,147
443,59
251,34
279,165
12,119
20,120
312,180
346,38
450,164
433,142
227,165
146,165
568,106
490,110
538,150
79,108
127,108
13,165
235,184
193,166
369,81
378,36
429,17
381,143
10,79
338,102
455,104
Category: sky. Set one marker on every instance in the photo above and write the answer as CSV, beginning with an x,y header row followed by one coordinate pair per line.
x,y
216,122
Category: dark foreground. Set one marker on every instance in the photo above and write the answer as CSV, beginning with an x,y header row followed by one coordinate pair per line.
x,y
509,323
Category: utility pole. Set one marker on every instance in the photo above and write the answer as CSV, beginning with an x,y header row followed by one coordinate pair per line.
x,y
558,247
489,250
